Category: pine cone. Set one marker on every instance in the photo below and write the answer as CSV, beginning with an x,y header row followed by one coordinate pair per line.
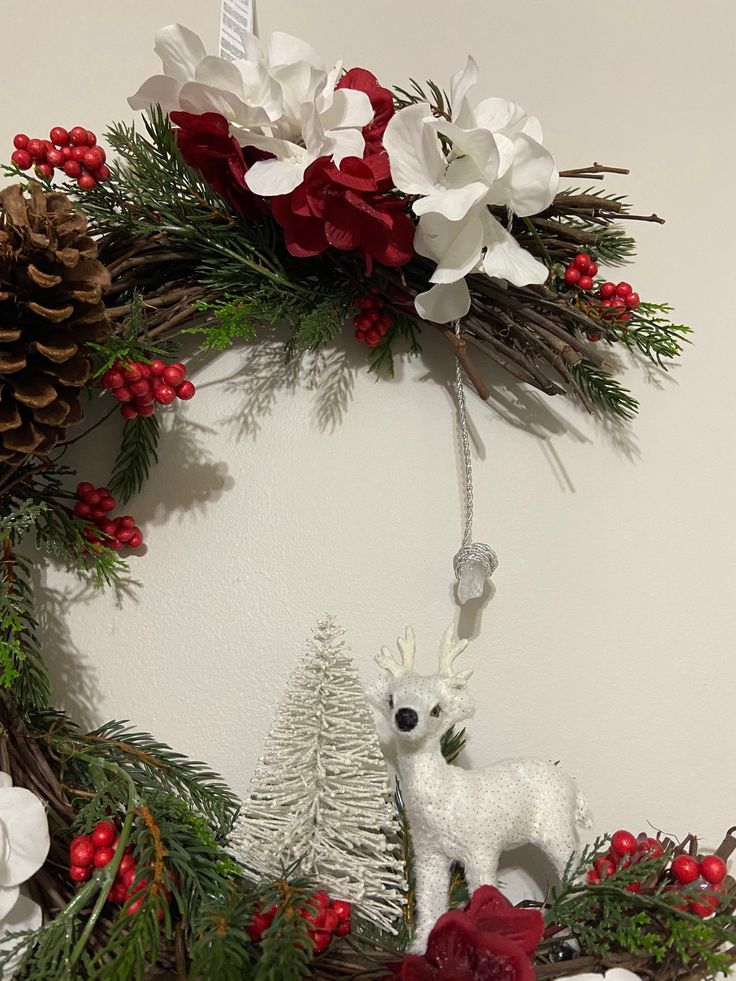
x,y
51,285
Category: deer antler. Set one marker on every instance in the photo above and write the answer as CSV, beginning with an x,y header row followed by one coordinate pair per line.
x,y
407,650
449,650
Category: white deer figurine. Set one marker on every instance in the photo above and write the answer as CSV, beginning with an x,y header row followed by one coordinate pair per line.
x,y
466,816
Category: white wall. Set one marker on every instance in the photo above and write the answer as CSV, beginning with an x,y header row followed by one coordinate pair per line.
x,y
608,642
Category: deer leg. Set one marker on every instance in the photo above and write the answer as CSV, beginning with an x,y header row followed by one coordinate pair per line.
x,y
559,847
432,877
482,870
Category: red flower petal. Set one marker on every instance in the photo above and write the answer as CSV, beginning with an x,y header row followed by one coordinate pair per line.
x,y
491,911
381,99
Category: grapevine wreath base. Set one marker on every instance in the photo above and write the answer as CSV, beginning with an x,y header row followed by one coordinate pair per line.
x,y
184,233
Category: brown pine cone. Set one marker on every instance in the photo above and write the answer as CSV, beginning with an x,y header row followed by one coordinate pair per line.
x,y
51,285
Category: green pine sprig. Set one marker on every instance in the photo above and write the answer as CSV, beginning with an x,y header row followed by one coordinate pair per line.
x,y
136,456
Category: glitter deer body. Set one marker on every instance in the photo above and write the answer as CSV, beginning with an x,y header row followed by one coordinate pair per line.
x,y
467,816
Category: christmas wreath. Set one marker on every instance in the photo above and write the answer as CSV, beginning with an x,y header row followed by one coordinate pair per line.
x,y
276,191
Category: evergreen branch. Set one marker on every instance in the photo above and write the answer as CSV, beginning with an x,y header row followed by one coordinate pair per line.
x,y
130,343
404,329
136,456
437,99
320,324
286,948
60,533
652,334
453,743
221,948
22,667
603,390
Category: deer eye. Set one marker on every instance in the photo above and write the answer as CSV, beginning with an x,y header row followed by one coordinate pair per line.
x,y
436,711
390,701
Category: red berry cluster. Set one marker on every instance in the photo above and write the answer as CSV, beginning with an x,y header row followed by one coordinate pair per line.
x,y
327,918
619,298
705,876
581,271
96,503
74,151
140,386
625,851
95,851
373,322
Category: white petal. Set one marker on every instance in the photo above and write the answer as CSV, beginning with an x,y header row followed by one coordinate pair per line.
x,y
506,259
251,47
25,915
198,98
499,114
272,177
349,108
326,95
532,127
299,84
532,180
477,144
417,162
158,90
24,821
460,84
455,245
8,899
180,51
285,49
313,132
220,74
5,779
343,143
461,189
444,303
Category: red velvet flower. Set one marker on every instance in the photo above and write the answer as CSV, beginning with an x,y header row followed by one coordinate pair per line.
x,y
381,99
458,951
206,145
490,911
347,207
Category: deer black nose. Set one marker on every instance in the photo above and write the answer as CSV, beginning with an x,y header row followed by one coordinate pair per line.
x,y
406,719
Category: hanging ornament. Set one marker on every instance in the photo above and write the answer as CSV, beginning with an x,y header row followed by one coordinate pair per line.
x,y
320,796
475,562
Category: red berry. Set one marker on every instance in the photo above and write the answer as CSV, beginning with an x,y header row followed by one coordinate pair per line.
x,y
87,182
607,290
22,159
82,510
91,138
117,893
127,521
592,878
342,907
623,289
46,170
649,848
113,378
313,913
582,261
363,321
632,301
173,375
103,857
359,335
704,907
373,336
72,169
82,852
66,152
384,322
128,876
146,399
140,387
124,534
322,941
594,336
93,498
633,887
618,302
713,869
185,391
145,370
362,302
20,141
136,539
93,158
103,173
585,283
128,411
164,394
685,869
78,136
109,527
59,136
36,149
623,843
331,920
54,157
604,867
79,874
122,394
107,503
572,275
592,270
104,832
127,862
78,153
157,367
321,898
146,409
256,928
84,489
343,928
134,906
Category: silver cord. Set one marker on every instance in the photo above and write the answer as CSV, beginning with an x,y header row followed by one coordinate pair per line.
x,y
469,550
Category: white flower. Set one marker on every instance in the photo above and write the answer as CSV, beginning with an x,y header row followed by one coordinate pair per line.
x,y
496,157
283,101
24,845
